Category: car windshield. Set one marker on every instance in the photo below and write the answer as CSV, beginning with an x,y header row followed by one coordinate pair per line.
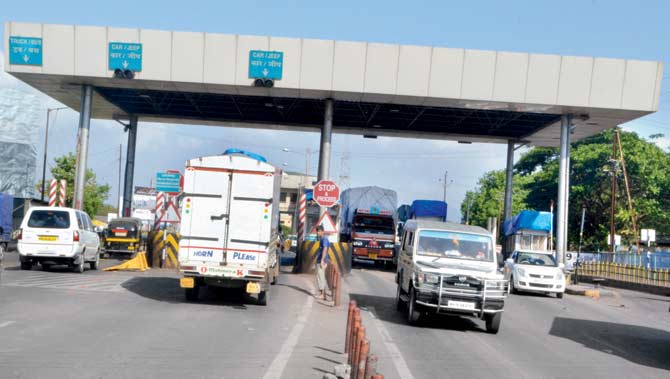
x,y
455,245
535,259
49,219
373,224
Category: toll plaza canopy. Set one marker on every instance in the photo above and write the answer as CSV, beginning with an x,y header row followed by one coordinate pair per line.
x,y
377,89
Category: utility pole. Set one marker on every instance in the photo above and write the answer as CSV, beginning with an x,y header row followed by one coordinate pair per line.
x,y
46,147
613,201
119,202
579,250
630,199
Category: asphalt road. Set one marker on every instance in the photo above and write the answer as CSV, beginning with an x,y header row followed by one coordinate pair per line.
x,y
126,325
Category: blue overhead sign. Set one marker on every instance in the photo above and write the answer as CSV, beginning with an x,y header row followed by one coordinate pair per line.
x,y
168,182
266,64
25,51
125,56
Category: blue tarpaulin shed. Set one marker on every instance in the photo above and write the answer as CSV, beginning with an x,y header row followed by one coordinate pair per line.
x,y
6,208
530,220
428,208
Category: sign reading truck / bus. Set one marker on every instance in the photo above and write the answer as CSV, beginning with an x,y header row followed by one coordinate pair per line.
x,y
326,193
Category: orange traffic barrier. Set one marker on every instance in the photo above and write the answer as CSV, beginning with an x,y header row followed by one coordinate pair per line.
x,y
370,366
377,376
362,359
357,346
350,318
357,352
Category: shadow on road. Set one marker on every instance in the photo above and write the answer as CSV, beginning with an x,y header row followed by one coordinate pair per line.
x,y
638,344
167,289
370,265
385,310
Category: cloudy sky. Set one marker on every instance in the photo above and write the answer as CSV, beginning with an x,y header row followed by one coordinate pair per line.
x,y
414,168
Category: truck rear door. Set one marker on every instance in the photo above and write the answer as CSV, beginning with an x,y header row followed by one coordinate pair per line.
x,y
204,215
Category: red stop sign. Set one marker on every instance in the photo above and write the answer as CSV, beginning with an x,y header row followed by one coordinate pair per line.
x,y
326,193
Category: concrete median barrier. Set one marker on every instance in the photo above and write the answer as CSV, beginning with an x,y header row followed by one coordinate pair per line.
x,y
159,241
339,254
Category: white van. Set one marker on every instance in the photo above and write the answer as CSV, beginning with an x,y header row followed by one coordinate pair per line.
x,y
56,236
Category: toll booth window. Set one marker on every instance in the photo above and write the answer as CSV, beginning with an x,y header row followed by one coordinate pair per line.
x,y
49,219
294,197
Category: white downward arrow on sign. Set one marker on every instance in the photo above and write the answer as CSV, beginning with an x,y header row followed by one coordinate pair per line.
x,y
265,72
125,64
25,58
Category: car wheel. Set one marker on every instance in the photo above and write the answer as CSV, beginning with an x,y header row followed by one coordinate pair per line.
x,y
512,288
493,322
96,263
26,266
79,268
559,295
192,293
399,304
46,267
413,314
262,298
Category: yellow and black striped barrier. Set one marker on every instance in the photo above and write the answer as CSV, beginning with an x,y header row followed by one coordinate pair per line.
x,y
157,242
339,253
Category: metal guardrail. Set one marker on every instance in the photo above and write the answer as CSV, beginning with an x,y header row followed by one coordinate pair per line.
x,y
626,273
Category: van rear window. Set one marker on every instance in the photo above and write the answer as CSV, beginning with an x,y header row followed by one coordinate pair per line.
x,y
49,219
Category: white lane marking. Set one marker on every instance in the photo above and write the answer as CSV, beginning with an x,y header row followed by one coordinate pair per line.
x,y
279,363
6,323
396,357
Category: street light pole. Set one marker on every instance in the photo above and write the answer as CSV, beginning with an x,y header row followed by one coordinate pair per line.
x,y
46,146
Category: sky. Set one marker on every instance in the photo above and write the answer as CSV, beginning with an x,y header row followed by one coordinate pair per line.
x,y
414,168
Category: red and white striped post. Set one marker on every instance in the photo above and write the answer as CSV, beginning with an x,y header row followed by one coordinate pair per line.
x,y
63,189
53,192
160,209
302,213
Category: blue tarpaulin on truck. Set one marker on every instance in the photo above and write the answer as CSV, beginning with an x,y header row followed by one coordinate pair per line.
x,y
529,220
428,209
403,212
6,208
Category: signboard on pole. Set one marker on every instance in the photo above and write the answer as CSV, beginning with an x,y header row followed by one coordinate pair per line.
x,y
266,64
326,193
25,51
125,56
169,182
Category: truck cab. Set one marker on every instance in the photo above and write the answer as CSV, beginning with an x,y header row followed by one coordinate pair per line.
x,y
373,235
449,268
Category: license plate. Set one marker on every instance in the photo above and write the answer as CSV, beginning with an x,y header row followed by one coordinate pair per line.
x,y
121,234
131,247
372,255
187,282
461,305
253,287
48,238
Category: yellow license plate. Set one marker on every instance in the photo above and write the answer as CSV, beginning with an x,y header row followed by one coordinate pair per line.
x,y
187,282
131,247
48,238
253,287
372,255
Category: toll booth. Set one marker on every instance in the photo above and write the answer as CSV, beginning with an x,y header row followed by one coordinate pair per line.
x,y
528,230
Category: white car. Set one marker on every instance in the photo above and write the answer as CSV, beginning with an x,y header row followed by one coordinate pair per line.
x,y
56,236
535,271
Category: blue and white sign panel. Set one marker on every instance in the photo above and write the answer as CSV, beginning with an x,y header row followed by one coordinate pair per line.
x,y
266,64
125,56
168,182
25,51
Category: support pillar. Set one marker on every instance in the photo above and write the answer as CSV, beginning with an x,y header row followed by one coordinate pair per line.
x,y
130,167
82,146
509,178
563,187
326,136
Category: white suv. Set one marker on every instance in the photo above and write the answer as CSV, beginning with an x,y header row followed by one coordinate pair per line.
x,y
58,235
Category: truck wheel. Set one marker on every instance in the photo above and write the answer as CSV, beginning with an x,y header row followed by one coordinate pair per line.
x,y
26,265
413,314
262,298
192,293
399,304
493,322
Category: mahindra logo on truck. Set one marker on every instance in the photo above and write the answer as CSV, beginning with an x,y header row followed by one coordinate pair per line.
x,y
243,257
204,253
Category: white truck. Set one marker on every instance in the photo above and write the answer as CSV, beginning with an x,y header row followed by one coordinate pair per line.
x,y
229,224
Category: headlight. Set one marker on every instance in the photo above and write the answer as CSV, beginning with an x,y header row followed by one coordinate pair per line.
x,y
431,278
389,246
358,243
521,271
495,285
559,276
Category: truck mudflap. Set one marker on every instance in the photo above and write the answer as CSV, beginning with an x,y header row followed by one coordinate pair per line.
x,y
489,298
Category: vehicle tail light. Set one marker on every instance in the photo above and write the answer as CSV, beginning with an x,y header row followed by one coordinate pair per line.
x,y
19,236
257,273
75,236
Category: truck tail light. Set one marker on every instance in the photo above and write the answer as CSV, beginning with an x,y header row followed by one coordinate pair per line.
x,y
19,236
75,236
256,273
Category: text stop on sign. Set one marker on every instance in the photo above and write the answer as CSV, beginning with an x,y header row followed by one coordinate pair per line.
x,y
326,193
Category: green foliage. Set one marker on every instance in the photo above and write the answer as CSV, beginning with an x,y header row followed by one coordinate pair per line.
x,y
94,194
285,230
536,185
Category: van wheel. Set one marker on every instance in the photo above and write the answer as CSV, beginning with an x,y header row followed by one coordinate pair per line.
x,y
192,293
559,295
79,268
96,263
399,304
262,298
493,322
413,314
26,266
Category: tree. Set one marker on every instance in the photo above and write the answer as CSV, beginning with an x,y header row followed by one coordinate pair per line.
x,y
94,194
